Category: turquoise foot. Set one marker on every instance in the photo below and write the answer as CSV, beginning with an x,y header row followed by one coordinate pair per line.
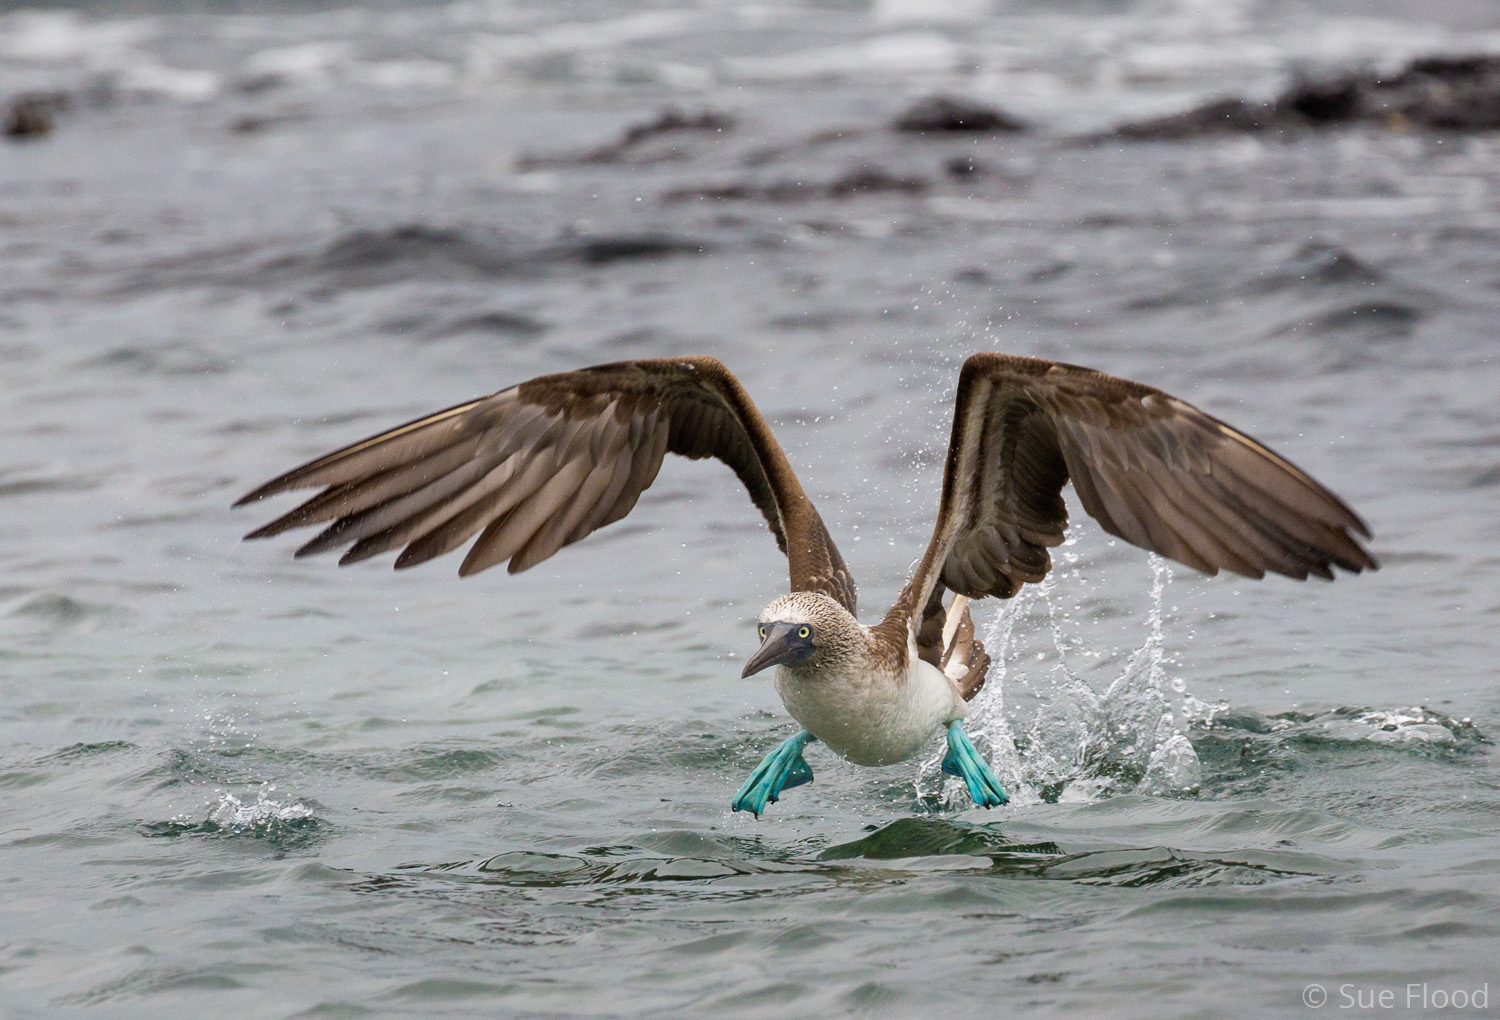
x,y
781,770
963,760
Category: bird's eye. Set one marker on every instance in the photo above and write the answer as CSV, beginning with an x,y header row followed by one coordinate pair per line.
x,y
804,632
762,632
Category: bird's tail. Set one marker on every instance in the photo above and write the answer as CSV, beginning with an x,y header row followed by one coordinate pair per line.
x,y
964,659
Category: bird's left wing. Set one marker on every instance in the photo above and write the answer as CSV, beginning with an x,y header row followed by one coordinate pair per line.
x,y
1152,469
543,464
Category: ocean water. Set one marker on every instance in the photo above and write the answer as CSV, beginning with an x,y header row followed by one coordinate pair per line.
x,y
235,784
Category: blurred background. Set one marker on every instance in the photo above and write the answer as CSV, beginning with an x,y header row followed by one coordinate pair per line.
x,y
236,235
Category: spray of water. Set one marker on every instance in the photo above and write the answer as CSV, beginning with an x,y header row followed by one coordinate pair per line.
x,y
1080,745
263,813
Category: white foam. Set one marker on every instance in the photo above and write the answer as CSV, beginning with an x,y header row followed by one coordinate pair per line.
x,y
899,12
234,814
404,74
109,51
308,63
58,36
150,79
895,53
1388,726
491,54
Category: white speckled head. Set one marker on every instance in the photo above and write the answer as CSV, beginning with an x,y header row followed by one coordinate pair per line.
x,y
833,632
810,607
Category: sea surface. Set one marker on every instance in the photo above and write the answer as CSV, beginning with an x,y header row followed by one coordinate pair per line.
x,y
235,784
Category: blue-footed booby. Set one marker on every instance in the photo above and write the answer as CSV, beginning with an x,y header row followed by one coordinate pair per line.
x,y
541,465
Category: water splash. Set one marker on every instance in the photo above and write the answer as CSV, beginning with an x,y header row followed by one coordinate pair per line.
x,y
257,817
1081,745
282,824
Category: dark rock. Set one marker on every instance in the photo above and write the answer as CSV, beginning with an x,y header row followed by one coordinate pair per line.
x,y
1319,103
946,115
1442,93
598,251
627,148
1450,66
1450,93
254,123
817,140
866,180
31,114
1220,117
672,119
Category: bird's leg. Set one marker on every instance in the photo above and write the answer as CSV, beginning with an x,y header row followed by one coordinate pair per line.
x,y
781,770
963,760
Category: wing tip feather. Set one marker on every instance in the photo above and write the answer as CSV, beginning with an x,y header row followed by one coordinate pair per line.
x,y
281,483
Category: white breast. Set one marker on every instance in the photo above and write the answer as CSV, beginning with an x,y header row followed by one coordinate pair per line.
x,y
869,718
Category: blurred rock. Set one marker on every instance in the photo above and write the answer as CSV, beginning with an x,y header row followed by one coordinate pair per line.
x,y
1451,93
672,119
1220,117
31,114
946,115
254,123
636,144
1443,93
864,180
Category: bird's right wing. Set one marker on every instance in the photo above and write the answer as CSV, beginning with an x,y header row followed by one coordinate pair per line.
x,y
541,465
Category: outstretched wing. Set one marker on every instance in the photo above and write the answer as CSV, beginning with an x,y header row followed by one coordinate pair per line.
x,y
1150,468
543,464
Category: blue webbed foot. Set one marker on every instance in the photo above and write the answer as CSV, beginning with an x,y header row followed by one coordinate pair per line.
x,y
963,760
781,770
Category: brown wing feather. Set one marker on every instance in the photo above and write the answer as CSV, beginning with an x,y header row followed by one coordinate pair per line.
x,y
544,464
1152,469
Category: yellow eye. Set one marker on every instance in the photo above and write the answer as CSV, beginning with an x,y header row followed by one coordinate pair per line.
x,y
804,632
762,631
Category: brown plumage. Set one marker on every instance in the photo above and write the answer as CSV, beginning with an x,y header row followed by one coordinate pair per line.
x,y
1150,468
541,465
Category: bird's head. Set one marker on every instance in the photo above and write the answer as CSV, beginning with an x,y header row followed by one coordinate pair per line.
x,y
800,629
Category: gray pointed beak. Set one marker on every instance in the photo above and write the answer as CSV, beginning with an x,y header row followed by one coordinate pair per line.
x,y
781,645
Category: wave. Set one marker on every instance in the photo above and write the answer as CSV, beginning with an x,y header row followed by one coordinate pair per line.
x,y
378,256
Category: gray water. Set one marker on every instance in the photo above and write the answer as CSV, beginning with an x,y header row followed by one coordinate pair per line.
x,y
235,784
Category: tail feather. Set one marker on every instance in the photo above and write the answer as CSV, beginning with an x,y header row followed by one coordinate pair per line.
x,y
964,659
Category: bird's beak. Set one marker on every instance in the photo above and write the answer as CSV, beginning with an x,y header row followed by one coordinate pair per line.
x,y
779,646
